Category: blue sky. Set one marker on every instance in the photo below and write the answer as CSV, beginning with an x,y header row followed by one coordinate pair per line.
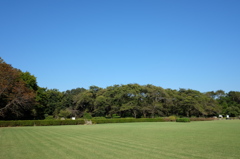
x,y
169,43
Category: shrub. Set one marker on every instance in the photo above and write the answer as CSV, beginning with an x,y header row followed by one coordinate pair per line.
x,y
127,120
16,123
87,116
202,119
49,117
40,122
64,113
183,120
26,123
172,118
98,118
115,116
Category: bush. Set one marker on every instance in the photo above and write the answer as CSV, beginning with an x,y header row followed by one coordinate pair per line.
x,y
49,117
115,116
76,122
87,116
64,113
16,123
127,120
40,122
202,119
183,120
97,118
172,118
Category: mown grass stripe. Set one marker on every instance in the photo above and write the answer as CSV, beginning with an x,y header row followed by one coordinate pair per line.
x,y
155,148
76,147
126,146
32,147
46,147
58,148
90,139
5,144
111,149
128,140
151,149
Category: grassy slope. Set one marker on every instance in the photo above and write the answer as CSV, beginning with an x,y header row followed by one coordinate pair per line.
x,y
211,139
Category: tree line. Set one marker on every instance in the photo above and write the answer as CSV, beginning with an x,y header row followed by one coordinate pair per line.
x,y
22,98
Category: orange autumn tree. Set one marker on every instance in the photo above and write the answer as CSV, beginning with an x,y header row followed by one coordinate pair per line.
x,y
16,99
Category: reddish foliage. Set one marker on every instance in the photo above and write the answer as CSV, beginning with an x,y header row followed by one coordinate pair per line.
x,y
15,97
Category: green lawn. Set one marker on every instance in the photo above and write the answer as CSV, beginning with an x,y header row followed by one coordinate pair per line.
x,y
209,139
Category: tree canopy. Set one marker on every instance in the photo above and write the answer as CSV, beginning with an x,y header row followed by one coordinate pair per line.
x,y
22,98
16,96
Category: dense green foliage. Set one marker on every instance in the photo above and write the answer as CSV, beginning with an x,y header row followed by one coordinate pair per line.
x,y
122,120
182,120
40,122
95,120
214,139
22,98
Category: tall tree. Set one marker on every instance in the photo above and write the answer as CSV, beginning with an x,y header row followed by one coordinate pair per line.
x,y
54,102
16,99
155,96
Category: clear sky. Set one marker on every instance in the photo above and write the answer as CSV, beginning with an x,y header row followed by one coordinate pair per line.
x,y
169,43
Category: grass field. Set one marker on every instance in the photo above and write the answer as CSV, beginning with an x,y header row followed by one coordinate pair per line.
x,y
209,139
